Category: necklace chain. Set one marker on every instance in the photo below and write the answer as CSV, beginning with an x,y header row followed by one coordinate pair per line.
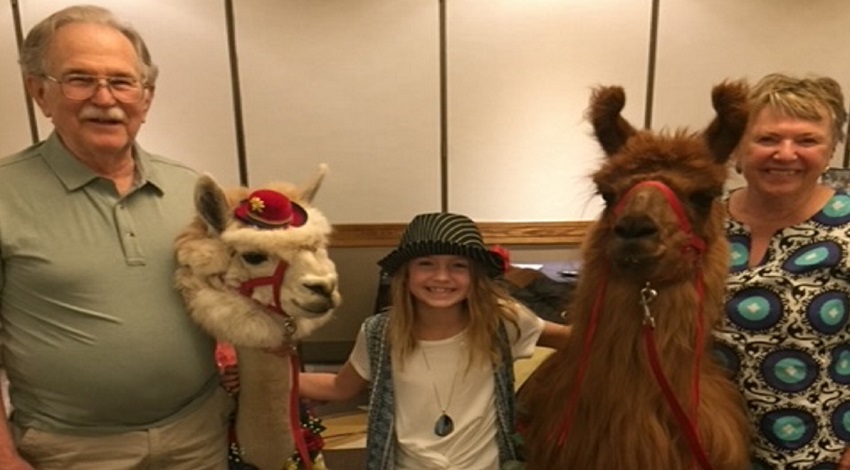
x,y
434,383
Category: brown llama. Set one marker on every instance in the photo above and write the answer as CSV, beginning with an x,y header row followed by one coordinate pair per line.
x,y
635,386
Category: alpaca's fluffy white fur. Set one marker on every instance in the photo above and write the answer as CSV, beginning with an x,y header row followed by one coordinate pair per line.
x,y
211,271
211,256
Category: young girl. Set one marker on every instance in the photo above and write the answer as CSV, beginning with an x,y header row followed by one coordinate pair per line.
x,y
440,359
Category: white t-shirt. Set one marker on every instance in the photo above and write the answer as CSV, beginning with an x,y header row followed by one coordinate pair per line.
x,y
470,401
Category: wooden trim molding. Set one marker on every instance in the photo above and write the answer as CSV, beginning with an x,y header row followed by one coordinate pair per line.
x,y
495,233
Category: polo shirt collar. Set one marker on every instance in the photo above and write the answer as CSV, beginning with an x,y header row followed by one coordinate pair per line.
x,y
74,174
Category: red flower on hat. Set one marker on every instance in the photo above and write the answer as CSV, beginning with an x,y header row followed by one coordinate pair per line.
x,y
265,208
257,204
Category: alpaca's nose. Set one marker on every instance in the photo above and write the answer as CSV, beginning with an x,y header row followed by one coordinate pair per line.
x,y
635,226
322,288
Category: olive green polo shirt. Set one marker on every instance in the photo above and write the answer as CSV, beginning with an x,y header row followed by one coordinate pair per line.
x,y
95,337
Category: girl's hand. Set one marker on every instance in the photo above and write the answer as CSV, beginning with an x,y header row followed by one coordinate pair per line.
x,y
230,379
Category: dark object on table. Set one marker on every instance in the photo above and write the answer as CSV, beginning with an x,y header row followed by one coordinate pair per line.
x,y
541,293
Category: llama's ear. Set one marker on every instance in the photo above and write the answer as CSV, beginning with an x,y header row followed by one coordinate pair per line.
x,y
725,130
309,190
211,204
612,131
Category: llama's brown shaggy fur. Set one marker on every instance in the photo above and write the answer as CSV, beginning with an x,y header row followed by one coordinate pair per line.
x,y
622,421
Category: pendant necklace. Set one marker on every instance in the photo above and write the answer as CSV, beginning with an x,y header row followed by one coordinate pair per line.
x,y
444,425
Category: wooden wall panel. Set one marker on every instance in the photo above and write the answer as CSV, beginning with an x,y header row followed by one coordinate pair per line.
x,y
354,84
519,78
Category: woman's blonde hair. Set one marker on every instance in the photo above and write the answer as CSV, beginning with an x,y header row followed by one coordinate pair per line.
x,y
488,306
810,98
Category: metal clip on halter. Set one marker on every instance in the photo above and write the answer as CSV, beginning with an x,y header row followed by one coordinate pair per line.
x,y
647,295
289,326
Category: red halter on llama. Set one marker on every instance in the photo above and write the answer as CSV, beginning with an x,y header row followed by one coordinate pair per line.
x,y
254,272
634,388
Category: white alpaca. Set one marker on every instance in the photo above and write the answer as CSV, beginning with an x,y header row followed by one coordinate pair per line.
x,y
254,272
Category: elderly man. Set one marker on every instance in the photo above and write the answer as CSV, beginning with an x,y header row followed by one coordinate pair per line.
x,y
106,370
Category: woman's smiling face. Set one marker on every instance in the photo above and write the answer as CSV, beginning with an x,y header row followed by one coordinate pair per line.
x,y
782,155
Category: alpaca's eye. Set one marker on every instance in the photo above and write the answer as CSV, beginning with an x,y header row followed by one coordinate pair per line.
x,y
255,258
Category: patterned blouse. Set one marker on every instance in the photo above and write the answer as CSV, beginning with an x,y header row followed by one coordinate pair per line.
x,y
785,335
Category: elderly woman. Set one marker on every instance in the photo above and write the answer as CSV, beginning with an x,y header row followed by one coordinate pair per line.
x,y
785,334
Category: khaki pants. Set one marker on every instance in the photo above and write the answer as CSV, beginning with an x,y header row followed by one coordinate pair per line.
x,y
195,442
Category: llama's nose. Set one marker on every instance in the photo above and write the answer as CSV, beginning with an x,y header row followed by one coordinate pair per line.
x,y
635,226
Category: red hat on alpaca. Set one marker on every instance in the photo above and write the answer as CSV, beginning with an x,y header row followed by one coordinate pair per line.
x,y
265,208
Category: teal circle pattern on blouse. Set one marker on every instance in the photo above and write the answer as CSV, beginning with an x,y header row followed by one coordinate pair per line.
x,y
726,357
812,257
788,428
839,367
754,309
841,421
827,312
789,371
836,211
739,252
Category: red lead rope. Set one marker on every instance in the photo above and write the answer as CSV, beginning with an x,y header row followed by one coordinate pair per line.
x,y
295,413
567,422
696,246
276,280
689,428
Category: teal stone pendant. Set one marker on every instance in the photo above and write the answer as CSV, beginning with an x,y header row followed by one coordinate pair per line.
x,y
444,426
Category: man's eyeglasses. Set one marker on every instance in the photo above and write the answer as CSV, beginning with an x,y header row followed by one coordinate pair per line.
x,y
82,87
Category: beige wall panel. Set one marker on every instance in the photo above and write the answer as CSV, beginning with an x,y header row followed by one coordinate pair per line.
x,y
191,119
519,78
14,127
354,84
703,42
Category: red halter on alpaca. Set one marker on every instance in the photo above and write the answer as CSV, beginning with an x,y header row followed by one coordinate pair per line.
x,y
266,209
695,247
247,289
275,280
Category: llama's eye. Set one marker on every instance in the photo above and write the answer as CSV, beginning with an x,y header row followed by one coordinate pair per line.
x,y
254,258
608,196
703,199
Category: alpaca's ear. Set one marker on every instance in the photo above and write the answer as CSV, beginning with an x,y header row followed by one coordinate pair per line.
x,y
612,131
211,204
309,190
725,130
